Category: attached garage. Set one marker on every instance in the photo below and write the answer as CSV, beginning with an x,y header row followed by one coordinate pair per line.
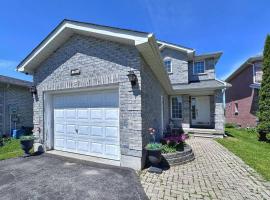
x,y
87,123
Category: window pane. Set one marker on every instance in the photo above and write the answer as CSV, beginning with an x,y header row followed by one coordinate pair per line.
x,y
176,107
198,67
168,65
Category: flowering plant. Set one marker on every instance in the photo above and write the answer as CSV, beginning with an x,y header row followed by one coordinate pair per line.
x,y
175,139
153,145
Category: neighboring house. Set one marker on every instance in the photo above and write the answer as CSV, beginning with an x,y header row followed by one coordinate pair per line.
x,y
242,97
86,104
16,104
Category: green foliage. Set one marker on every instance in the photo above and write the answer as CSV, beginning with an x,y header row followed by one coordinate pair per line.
x,y
230,125
244,144
153,146
168,148
10,149
27,137
264,94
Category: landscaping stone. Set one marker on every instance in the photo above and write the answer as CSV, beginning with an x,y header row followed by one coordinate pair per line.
x,y
216,173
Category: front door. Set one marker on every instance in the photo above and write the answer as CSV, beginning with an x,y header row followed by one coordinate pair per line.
x,y
200,111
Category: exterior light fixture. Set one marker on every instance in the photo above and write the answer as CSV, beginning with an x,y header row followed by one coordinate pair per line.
x,y
132,78
33,90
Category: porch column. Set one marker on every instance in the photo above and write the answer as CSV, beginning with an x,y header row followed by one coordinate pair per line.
x,y
219,111
186,112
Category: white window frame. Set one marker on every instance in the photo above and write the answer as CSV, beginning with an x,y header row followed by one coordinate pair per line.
x,y
172,107
168,59
194,67
254,74
236,108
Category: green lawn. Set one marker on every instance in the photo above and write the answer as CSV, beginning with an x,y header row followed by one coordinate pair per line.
x,y
11,149
245,145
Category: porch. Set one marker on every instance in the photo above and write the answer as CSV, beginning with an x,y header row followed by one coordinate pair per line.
x,y
200,114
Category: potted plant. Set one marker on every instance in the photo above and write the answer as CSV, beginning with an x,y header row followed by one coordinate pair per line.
x,y
26,144
154,152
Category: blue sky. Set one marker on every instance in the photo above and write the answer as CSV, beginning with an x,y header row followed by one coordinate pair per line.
x,y
238,27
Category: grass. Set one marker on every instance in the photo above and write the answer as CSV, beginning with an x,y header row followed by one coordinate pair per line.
x,y
245,145
11,149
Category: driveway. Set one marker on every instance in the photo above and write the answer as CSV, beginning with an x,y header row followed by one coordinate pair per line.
x,y
215,173
53,177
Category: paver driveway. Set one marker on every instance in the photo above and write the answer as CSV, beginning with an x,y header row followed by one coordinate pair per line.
x,y
51,177
214,174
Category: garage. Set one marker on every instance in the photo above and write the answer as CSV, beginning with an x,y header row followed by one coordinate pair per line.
x,y
87,123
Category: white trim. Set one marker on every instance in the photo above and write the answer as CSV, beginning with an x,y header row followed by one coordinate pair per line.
x,y
203,67
171,70
181,107
164,44
162,113
69,28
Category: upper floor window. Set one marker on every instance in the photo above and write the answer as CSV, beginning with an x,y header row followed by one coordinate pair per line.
x,y
198,67
168,65
257,72
176,107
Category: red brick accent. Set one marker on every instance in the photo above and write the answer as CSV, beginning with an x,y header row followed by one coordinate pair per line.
x,y
246,97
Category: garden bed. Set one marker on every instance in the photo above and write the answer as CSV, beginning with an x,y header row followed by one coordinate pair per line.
x,y
179,157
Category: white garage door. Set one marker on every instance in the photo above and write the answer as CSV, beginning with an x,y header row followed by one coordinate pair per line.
x,y
87,123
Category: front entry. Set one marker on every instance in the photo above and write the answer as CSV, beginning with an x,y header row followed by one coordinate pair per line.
x,y
200,111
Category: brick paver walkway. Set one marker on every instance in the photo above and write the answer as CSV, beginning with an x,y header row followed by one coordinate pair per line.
x,y
215,173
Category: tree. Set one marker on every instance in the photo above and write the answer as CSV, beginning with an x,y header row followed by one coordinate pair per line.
x,y
264,94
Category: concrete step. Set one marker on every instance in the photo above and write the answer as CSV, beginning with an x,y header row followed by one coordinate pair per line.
x,y
207,133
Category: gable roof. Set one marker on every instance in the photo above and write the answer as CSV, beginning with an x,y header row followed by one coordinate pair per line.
x,y
247,63
144,42
14,81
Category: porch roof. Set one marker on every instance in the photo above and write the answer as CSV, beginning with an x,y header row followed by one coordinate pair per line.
x,y
200,86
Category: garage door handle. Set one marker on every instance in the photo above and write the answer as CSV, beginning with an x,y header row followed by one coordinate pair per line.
x,y
76,130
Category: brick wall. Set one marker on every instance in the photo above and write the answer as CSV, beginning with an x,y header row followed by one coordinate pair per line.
x,y
209,71
19,97
101,62
246,97
179,65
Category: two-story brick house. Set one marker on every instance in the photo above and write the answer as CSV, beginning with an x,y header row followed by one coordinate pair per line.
x,y
242,97
100,88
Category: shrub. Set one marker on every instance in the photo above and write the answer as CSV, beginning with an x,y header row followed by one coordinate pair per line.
x,y
230,125
264,94
27,137
153,146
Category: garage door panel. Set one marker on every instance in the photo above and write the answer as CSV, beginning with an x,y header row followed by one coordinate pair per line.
x,y
70,114
96,114
59,128
88,123
83,130
111,114
71,129
83,115
111,149
83,146
111,132
71,144
59,143
96,147
97,131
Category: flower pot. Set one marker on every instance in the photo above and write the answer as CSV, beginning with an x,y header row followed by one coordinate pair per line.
x,y
26,145
154,156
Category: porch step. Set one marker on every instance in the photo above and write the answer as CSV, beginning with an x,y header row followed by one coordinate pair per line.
x,y
207,133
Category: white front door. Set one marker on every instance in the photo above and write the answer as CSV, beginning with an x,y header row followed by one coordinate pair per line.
x,y
200,110
87,123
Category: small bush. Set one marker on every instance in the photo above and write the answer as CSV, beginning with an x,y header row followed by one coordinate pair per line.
x,y
168,148
153,146
230,125
28,137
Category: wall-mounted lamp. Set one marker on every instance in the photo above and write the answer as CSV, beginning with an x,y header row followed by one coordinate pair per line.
x,y
132,78
33,90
